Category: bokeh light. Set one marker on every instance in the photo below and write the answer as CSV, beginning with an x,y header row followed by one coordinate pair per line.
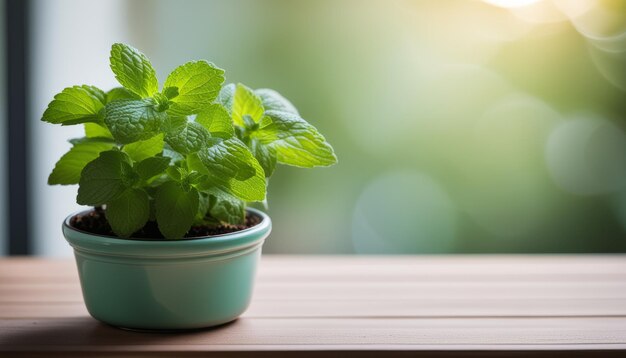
x,y
403,212
587,156
460,126
539,12
503,187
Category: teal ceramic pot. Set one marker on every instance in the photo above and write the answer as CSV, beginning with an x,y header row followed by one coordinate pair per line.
x,y
167,285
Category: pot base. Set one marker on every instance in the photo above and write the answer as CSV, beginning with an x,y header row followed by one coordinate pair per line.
x,y
168,331
168,286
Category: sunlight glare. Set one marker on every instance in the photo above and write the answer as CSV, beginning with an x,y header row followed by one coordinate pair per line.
x,y
510,3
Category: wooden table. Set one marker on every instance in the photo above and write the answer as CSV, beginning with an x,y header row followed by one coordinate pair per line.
x,y
556,306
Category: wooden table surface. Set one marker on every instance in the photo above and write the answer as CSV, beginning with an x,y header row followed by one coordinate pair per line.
x,y
555,306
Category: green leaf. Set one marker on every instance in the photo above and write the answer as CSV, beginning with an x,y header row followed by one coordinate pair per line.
x,y
173,124
162,103
151,167
133,70
170,92
129,212
203,208
195,164
75,141
67,170
265,121
141,150
189,139
227,208
228,159
74,105
246,103
130,121
194,177
226,96
96,92
198,84
217,121
175,209
95,130
173,155
295,141
176,173
265,155
105,178
251,189
274,101
118,93
230,165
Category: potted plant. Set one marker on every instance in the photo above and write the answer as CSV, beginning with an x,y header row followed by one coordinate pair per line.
x,y
170,242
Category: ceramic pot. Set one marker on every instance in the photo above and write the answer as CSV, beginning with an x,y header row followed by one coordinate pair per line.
x,y
168,284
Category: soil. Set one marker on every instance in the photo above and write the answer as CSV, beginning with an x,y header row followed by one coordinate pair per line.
x,y
94,222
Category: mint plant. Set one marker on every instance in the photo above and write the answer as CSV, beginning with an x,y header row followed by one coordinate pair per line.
x,y
194,153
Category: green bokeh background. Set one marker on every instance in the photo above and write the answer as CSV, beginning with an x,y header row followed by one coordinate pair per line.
x,y
460,126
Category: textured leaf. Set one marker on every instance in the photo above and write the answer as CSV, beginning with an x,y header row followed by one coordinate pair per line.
x,y
173,124
231,164
227,208
217,121
228,159
129,212
141,150
175,209
151,167
265,121
198,83
246,102
67,170
274,101
105,178
251,189
170,92
118,93
226,96
189,139
133,70
95,130
295,141
74,105
265,155
130,121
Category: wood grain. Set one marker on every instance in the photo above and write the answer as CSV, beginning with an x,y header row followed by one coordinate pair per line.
x,y
337,305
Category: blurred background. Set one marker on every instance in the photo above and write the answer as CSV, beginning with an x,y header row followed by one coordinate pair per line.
x,y
495,126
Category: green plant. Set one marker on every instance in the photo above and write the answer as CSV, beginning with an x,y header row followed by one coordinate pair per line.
x,y
193,153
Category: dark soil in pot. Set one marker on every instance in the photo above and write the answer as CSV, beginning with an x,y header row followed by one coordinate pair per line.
x,y
94,222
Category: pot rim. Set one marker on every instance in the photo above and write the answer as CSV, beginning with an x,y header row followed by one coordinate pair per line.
x,y
217,245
